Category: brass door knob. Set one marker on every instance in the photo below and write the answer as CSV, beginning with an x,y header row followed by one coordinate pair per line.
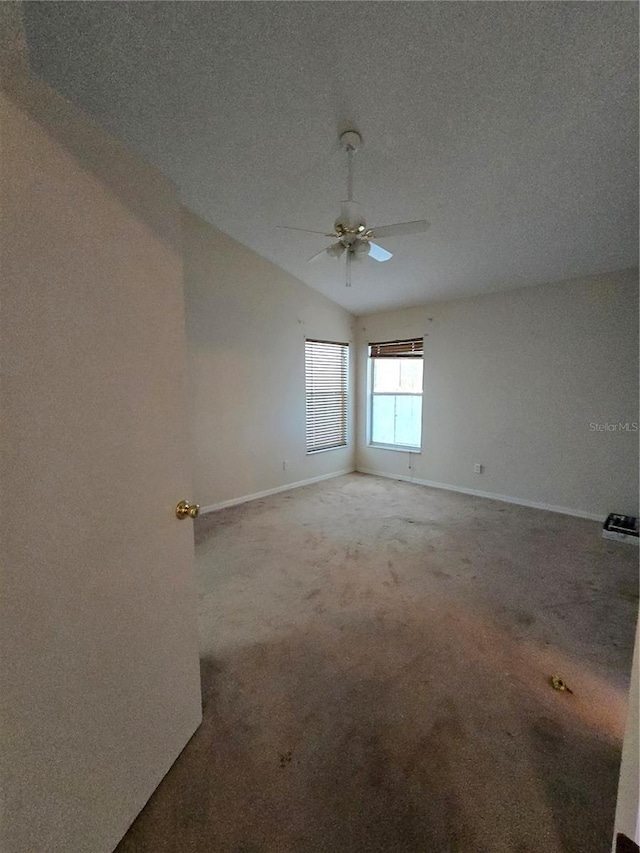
x,y
187,510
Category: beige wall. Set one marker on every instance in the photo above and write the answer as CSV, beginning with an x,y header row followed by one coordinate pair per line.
x,y
513,381
246,325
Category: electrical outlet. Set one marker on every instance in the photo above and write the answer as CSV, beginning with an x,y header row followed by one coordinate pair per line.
x,y
285,465
477,468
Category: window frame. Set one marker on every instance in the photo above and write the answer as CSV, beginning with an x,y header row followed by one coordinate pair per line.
x,y
344,345
371,394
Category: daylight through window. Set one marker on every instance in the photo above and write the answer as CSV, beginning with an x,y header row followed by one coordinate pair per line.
x,y
395,415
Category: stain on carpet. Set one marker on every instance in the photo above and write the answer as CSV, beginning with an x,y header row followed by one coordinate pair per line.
x,y
354,702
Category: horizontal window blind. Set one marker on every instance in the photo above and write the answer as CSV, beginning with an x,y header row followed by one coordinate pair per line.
x,y
414,347
326,366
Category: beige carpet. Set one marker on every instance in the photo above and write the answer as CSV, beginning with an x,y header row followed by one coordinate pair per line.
x,y
376,660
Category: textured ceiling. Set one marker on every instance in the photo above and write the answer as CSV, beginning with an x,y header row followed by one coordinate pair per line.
x,y
511,127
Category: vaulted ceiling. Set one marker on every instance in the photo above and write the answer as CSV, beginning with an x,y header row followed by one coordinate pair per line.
x,y
510,127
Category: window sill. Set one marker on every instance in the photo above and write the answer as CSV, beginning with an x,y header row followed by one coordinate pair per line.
x,y
398,447
325,449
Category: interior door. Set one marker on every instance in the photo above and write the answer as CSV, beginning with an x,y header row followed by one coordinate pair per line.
x,y
100,675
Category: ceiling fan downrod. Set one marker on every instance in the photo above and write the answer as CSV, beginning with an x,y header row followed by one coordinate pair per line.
x,y
350,224
350,141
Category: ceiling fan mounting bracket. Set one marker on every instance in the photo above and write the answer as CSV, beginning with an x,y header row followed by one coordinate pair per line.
x,y
351,140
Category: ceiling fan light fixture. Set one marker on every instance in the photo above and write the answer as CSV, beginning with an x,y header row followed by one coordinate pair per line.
x,y
335,250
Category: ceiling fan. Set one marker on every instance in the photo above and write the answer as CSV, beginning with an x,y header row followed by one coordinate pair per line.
x,y
354,238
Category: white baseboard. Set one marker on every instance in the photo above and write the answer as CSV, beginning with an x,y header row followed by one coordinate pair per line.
x,y
267,492
564,510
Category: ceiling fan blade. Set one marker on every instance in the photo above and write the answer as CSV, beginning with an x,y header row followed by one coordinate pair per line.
x,y
378,253
400,228
305,230
333,251
317,255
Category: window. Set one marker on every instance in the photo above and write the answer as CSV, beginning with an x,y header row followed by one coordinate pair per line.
x,y
395,374
326,365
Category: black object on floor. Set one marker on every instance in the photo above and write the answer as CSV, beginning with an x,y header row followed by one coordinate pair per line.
x,y
621,527
626,845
